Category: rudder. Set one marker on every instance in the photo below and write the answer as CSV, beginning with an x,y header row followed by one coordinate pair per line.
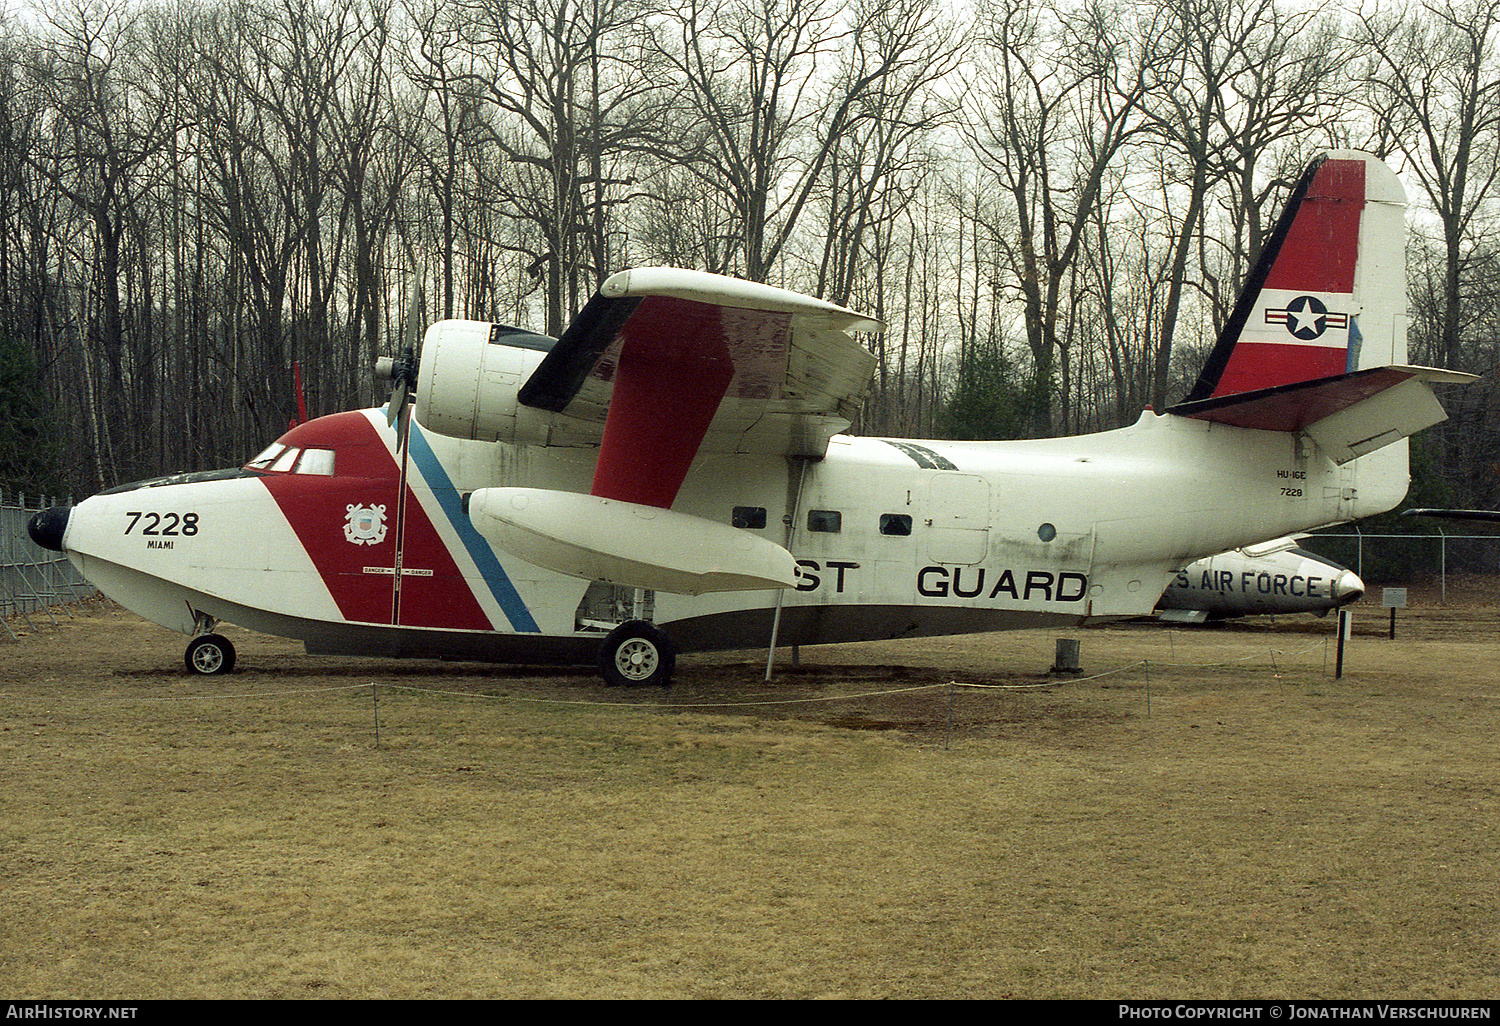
x,y
1328,294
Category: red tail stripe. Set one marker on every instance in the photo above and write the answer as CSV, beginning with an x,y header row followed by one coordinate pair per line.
x,y
1322,246
1259,365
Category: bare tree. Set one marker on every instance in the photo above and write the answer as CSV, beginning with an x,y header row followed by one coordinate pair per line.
x,y
570,82
104,133
1434,81
868,169
1268,115
768,117
1059,98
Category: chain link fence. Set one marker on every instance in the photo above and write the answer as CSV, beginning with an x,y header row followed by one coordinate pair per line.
x,y
34,583
1438,566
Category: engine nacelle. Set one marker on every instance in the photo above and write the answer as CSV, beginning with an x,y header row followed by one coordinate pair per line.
x,y
468,377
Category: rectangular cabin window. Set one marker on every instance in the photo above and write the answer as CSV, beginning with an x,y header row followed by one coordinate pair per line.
x,y
750,517
897,525
825,521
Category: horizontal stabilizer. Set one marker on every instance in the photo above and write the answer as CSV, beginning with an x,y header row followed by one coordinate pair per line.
x,y
626,543
1348,415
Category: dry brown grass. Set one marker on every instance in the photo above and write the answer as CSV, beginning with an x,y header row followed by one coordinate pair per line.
x,y
1219,819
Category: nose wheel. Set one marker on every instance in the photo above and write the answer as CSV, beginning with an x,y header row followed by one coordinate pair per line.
x,y
636,654
209,654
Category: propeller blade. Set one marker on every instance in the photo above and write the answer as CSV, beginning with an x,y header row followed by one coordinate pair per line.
x,y
401,371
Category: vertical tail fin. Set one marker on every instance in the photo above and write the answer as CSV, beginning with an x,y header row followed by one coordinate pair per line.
x,y
1328,295
1317,341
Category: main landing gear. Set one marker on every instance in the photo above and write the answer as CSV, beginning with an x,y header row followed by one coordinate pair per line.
x,y
208,653
636,654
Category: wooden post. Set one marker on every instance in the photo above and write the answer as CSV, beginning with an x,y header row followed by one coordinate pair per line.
x,y
1393,599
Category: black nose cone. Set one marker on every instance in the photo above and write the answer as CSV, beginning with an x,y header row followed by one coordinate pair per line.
x,y
47,527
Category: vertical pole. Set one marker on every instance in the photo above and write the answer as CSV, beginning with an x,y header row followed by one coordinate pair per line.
x,y
948,738
1442,570
791,526
775,630
1338,662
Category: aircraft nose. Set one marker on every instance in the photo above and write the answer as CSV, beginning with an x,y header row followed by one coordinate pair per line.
x,y
1347,587
47,527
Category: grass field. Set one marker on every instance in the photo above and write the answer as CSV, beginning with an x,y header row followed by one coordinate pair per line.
x,y
1207,814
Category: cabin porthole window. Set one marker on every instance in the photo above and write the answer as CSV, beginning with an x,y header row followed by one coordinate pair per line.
x,y
825,521
1046,532
896,525
749,517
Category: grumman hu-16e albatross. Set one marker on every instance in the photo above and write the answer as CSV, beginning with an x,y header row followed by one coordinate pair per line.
x,y
670,475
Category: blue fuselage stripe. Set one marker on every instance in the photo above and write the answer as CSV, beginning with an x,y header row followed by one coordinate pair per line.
x,y
479,550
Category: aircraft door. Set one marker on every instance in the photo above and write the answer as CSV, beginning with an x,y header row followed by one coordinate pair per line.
x,y
958,518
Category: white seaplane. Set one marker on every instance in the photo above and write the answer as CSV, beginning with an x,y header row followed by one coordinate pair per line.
x,y
670,475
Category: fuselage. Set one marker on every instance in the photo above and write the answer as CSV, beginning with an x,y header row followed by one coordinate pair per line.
x,y
316,540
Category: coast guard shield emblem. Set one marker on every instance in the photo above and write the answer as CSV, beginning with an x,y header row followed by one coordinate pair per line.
x,y
364,525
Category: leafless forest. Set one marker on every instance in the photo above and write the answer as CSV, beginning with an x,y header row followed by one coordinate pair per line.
x,y
1051,203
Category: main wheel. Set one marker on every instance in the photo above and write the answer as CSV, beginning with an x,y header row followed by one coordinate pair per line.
x,y
209,654
636,654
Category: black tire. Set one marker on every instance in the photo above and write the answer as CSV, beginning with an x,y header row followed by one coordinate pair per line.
x,y
636,654
209,654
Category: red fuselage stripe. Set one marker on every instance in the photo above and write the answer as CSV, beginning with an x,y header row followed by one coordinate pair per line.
x,y
358,565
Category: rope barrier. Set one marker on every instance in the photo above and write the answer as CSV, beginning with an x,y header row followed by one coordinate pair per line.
x,y
768,702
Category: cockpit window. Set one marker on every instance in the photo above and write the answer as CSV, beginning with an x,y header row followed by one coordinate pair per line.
x,y
267,457
316,461
283,459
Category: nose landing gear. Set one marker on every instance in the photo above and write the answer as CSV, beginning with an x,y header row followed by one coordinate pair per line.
x,y
208,653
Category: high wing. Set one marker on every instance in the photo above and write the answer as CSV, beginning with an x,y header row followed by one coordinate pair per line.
x,y
662,365
1487,516
676,362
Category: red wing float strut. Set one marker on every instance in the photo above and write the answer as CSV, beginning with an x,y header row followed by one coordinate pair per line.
x,y
672,345
670,365
674,370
